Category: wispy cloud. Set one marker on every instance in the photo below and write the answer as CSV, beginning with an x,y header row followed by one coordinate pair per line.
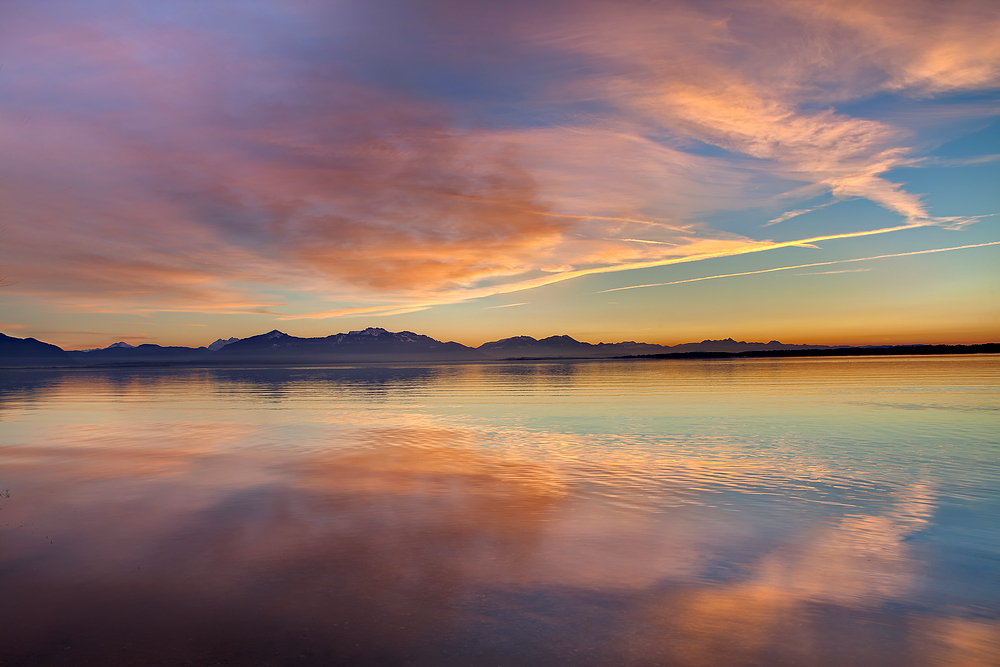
x,y
788,215
699,252
959,161
802,266
826,273
649,241
197,163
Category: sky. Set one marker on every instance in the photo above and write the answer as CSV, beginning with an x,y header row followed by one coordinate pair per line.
x,y
809,171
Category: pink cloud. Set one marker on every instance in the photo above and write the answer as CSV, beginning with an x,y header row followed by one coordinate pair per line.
x,y
185,162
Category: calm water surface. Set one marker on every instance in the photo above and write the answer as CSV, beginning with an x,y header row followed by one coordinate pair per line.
x,y
751,512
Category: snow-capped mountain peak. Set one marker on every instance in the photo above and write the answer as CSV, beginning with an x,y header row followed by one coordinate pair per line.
x,y
370,331
221,343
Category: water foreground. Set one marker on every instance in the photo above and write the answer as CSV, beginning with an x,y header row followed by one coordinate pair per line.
x,y
715,512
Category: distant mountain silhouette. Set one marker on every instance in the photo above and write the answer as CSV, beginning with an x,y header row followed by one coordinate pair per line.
x,y
730,345
378,345
867,350
220,343
372,344
123,353
527,347
16,352
565,346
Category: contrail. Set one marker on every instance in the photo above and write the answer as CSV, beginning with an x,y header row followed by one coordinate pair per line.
x,y
477,293
508,305
802,266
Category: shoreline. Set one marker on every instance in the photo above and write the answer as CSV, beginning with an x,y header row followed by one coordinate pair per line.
x,y
894,351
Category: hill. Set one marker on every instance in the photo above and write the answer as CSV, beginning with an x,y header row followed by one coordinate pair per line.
x,y
376,345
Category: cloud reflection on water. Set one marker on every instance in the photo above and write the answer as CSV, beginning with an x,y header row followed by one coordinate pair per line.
x,y
420,550
355,516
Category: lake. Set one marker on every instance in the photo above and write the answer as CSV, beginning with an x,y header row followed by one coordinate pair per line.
x,y
773,512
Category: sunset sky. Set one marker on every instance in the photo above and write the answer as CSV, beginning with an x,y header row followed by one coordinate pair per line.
x,y
807,171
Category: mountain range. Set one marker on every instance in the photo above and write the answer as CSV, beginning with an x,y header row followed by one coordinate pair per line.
x,y
367,345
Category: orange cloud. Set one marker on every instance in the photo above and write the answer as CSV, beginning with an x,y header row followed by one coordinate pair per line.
x,y
180,166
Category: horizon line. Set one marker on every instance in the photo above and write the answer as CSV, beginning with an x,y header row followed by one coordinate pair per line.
x,y
149,341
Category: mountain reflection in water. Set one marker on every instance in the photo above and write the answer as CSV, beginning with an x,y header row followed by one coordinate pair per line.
x,y
614,513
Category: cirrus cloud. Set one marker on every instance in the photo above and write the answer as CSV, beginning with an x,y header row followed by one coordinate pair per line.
x,y
217,158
